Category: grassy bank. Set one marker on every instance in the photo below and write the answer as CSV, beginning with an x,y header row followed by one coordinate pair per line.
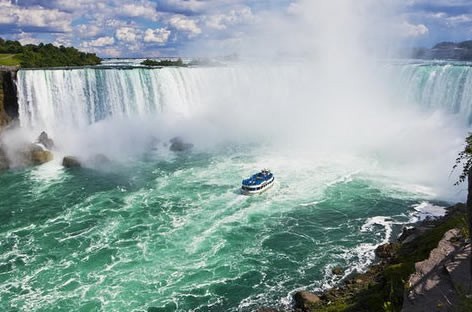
x,y
382,287
7,59
13,53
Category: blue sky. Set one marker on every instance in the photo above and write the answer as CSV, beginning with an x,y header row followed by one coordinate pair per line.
x,y
120,28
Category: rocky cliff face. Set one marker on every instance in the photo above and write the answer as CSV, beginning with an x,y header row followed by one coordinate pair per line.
x,y
8,96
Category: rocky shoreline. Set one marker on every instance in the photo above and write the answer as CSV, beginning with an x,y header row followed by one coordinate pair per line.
x,y
427,268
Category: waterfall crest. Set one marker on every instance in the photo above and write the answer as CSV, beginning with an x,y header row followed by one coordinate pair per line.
x,y
79,97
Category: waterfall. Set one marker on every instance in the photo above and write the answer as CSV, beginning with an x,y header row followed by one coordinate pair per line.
x,y
437,86
75,98
78,97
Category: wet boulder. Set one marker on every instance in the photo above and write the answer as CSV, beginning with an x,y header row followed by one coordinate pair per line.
x,y
385,251
45,140
337,270
71,162
40,157
305,300
177,144
34,154
406,232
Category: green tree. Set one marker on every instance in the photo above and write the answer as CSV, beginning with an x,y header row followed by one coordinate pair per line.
x,y
47,55
465,158
149,62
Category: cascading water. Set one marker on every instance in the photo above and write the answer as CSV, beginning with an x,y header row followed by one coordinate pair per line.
x,y
79,97
437,86
84,96
76,98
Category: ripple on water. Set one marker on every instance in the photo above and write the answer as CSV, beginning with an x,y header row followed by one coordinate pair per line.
x,y
176,234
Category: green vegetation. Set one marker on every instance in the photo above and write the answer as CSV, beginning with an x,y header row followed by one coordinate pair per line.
x,y
9,60
149,62
383,286
465,158
43,55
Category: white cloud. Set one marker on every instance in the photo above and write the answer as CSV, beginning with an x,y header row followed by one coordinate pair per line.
x,y
462,18
88,30
128,34
451,20
411,30
146,10
35,16
76,5
446,3
64,40
185,24
111,52
237,16
27,38
99,42
160,35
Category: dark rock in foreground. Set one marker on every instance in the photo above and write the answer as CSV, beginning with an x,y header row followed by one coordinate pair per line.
x,y
177,144
45,140
305,300
71,162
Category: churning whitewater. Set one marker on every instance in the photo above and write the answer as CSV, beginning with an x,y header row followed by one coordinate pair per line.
x,y
156,229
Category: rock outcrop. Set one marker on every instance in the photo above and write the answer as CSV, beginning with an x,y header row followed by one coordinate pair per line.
x,y
177,144
35,154
385,251
71,162
45,140
20,153
305,300
438,280
8,96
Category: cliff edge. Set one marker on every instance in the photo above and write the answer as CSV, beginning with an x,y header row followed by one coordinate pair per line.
x,y
8,95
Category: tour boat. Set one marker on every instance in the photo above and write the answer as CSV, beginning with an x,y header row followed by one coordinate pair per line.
x,y
258,182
